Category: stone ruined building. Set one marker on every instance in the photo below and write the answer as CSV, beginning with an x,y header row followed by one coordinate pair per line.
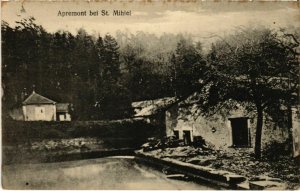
x,y
153,111
231,127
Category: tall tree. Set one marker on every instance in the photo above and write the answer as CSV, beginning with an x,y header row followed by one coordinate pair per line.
x,y
188,67
23,57
259,66
114,99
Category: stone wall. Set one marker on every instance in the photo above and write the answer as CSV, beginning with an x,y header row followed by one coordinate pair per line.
x,y
28,141
21,132
216,129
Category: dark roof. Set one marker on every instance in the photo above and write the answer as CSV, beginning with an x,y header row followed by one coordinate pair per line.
x,y
151,107
62,107
35,98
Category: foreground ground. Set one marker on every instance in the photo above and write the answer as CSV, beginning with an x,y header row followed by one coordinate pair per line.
x,y
239,161
103,173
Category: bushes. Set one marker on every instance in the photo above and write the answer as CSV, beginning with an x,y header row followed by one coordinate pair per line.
x,y
275,150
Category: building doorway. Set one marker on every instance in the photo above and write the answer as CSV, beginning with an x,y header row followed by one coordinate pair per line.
x,y
187,137
240,132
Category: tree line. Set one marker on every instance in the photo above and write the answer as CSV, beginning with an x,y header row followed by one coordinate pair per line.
x,y
99,75
102,75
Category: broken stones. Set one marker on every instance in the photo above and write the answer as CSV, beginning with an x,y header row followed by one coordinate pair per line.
x,y
267,185
201,161
240,161
265,178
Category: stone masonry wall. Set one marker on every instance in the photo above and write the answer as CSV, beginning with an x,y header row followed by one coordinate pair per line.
x,y
216,129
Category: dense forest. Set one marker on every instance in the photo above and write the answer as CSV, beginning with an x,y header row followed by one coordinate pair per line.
x,y
99,75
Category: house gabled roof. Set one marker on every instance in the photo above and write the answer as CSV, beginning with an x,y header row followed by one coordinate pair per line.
x,y
151,107
36,98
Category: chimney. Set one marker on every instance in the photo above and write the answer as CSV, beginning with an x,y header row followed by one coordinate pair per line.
x,y
33,88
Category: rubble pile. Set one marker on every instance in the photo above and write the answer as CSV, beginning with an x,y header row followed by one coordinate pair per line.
x,y
173,142
240,161
185,152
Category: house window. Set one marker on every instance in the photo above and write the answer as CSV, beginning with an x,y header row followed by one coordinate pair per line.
x,y
176,134
187,139
240,132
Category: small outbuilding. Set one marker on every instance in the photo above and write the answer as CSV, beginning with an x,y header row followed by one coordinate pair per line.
x,y
62,112
39,108
153,111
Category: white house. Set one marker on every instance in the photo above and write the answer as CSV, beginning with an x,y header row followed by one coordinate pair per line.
x,y
39,108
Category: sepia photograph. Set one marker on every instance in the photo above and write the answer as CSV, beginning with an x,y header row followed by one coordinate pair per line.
x,y
150,95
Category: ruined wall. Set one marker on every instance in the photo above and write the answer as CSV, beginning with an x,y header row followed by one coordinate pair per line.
x,y
30,112
216,129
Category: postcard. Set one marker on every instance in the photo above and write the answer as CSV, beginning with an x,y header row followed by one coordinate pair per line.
x,y
150,95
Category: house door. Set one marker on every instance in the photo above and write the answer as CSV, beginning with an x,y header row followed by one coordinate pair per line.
x,y
40,113
240,136
187,137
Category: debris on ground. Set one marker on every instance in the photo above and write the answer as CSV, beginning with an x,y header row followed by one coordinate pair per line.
x,y
237,160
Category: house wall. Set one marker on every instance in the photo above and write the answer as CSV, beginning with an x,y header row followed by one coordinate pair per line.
x,y
63,116
216,129
30,112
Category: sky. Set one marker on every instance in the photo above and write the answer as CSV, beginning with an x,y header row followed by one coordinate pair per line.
x,y
201,19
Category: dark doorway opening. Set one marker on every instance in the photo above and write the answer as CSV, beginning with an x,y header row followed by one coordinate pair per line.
x,y
187,137
176,134
240,133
